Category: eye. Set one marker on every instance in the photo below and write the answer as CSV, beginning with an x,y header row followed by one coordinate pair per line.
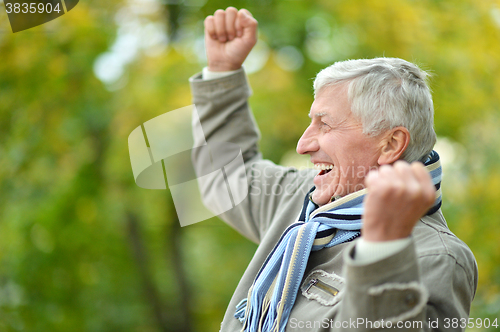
x,y
324,126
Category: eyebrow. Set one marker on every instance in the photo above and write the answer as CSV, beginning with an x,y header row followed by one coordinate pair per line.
x,y
318,115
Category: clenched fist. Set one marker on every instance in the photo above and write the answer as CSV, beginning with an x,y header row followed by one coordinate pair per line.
x,y
398,196
230,35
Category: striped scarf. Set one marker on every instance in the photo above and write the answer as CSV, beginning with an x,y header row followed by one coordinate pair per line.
x,y
273,292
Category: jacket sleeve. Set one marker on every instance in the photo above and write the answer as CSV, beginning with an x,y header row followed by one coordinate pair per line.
x,y
408,292
257,187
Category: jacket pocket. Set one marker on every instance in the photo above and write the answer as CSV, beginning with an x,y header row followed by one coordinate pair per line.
x,y
324,287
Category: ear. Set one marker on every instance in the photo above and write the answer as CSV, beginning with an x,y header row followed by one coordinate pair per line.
x,y
393,145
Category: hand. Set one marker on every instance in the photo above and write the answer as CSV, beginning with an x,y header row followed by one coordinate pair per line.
x,y
229,36
398,196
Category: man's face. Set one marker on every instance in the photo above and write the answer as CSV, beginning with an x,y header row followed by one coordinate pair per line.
x,y
338,148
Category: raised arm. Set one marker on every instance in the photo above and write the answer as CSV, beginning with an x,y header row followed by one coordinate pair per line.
x,y
220,95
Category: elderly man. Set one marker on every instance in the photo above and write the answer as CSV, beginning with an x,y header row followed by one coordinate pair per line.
x,y
359,243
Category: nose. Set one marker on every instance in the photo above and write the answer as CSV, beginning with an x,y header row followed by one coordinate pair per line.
x,y
308,142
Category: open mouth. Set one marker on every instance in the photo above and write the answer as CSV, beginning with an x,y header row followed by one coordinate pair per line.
x,y
324,168
325,171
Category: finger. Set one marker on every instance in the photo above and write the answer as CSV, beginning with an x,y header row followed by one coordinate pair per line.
x,y
246,18
425,180
237,25
390,181
248,23
405,172
407,177
421,172
403,169
246,12
220,25
386,171
210,27
371,178
419,183
231,14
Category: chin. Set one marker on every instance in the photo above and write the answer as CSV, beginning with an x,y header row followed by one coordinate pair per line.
x,y
321,198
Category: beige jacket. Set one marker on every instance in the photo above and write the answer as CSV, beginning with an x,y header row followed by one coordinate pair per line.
x,y
428,285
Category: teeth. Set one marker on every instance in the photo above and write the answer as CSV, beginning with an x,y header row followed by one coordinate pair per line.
x,y
323,166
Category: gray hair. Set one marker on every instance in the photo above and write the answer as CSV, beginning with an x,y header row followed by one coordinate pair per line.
x,y
385,93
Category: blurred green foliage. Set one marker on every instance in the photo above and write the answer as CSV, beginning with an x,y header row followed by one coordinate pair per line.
x,y
82,248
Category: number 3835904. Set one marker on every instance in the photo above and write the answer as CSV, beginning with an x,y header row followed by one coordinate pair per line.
x,y
32,8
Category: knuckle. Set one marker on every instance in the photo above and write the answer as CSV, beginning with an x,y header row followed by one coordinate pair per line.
x,y
415,194
384,188
417,165
401,163
385,170
402,166
399,188
371,179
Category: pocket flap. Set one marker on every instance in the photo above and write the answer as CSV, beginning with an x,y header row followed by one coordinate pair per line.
x,y
323,287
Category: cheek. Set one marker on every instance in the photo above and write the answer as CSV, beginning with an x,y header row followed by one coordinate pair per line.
x,y
351,150
361,155
336,145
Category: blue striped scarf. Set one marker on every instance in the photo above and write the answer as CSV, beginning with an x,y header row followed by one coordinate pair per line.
x,y
273,292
